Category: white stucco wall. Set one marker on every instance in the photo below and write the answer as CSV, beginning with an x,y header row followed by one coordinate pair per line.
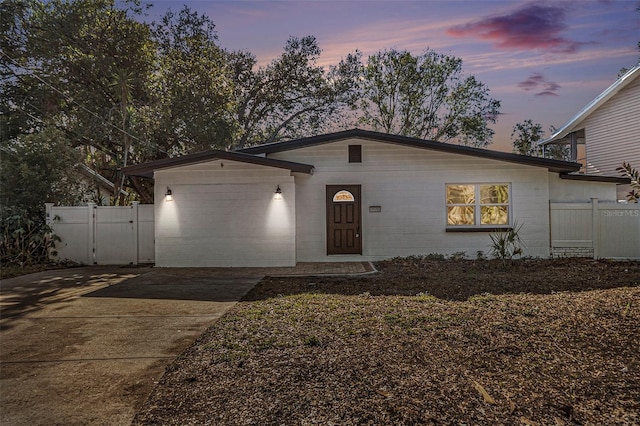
x,y
409,185
224,214
575,191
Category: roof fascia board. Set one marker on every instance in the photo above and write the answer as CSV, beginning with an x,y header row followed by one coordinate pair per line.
x,y
147,169
595,178
553,165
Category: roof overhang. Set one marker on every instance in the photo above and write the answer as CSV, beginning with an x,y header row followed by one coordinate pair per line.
x,y
576,122
552,165
595,178
147,169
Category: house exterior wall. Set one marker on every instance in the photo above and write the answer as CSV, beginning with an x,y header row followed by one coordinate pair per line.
x,y
409,186
612,132
575,191
224,213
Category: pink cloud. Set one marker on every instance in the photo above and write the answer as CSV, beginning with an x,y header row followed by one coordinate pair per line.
x,y
543,87
530,27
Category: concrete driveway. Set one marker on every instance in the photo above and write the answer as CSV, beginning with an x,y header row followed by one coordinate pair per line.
x,y
86,346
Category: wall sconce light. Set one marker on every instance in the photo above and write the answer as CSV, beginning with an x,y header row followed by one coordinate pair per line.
x,y
167,195
278,195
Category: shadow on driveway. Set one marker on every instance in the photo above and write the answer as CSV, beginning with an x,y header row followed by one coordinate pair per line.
x,y
197,284
87,345
29,293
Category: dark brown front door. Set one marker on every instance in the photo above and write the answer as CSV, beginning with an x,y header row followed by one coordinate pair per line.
x,y
344,233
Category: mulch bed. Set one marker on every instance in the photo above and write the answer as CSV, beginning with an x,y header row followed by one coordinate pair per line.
x,y
536,342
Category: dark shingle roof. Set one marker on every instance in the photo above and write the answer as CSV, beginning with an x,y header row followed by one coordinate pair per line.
x,y
147,169
553,165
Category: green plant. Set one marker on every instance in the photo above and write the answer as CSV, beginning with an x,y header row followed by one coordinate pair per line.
x,y
457,256
434,256
506,244
312,341
26,241
627,171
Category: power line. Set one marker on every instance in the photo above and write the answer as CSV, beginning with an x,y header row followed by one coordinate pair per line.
x,y
33,73
68,131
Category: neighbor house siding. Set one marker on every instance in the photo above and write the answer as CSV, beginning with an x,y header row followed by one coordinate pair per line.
x,y
224,213
409,185
612,132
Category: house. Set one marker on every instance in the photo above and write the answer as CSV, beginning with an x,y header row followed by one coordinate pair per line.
x,y
606,132
354,195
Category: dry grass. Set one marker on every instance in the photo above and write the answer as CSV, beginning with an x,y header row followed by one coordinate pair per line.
x,y
544,342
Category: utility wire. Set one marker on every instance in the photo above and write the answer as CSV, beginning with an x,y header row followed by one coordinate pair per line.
x,y
80,137
33,73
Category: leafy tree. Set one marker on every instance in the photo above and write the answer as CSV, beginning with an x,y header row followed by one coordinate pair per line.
x,y
124,92
82,65
424,96
556,151
290,97
35,169
192,87
525,136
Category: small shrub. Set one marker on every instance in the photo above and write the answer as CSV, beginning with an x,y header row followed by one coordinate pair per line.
x,y
459,255
480,255
26,241
506,244
312,341
434,256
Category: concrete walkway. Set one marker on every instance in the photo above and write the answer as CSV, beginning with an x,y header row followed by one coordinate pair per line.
x,y
86,346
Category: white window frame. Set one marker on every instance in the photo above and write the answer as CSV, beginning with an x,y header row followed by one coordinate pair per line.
x,y
477,208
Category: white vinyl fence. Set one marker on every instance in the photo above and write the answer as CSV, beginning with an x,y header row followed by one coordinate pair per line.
x,y
110,235
125,235
598,230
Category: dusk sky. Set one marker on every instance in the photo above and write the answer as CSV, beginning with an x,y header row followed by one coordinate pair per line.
x,y
544,60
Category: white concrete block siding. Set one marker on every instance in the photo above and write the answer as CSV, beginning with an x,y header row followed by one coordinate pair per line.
x,y
409,185
224,212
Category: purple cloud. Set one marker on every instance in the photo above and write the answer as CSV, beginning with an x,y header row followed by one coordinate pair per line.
x,y
530,27
543,87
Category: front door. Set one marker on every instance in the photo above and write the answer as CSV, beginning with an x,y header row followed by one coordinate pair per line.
x,y
344,233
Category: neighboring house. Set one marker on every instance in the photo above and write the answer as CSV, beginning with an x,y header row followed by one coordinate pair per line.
x,y
606,132
354,195
96,188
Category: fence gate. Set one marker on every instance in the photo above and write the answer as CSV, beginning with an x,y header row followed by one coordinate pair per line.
x,y
598,230
112,235
115,239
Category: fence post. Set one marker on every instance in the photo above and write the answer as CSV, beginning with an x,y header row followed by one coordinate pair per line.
x,y
91,234
595,227
48,218
135,219
48,207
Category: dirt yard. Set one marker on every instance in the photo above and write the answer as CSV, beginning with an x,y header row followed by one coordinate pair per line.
x,y
422,342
